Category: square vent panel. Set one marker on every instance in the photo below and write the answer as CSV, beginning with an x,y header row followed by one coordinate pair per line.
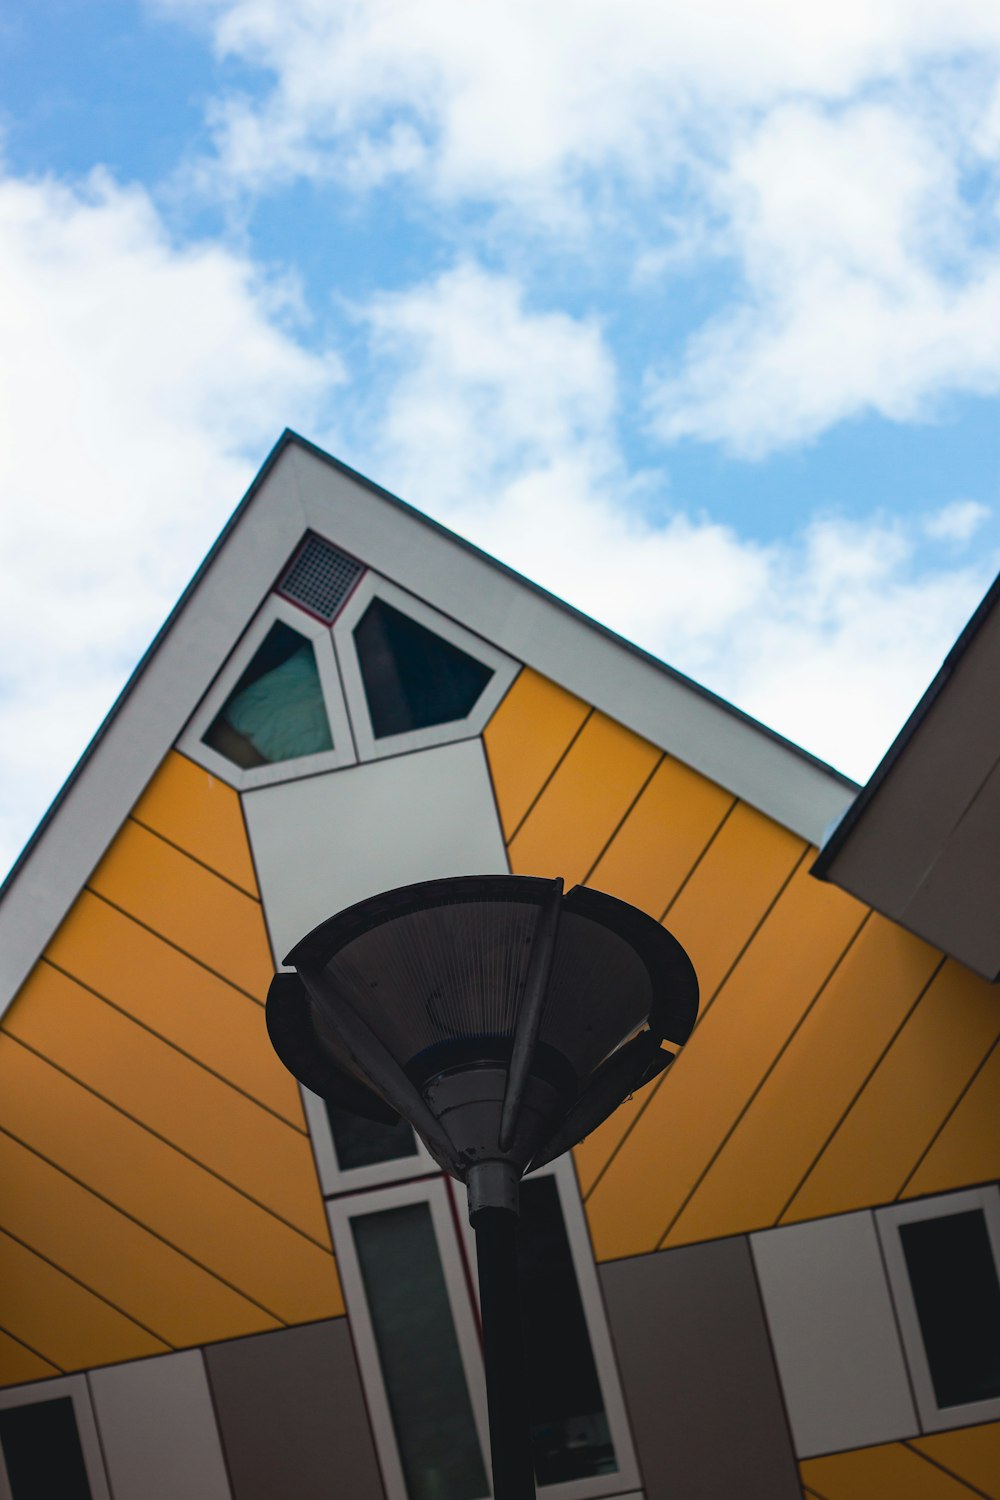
x,y
320,578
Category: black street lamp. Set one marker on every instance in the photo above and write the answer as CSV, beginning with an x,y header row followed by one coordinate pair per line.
x,y
505,1021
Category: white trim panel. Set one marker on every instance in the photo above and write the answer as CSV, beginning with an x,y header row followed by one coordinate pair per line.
x,y
324,843
334,1179
840,1362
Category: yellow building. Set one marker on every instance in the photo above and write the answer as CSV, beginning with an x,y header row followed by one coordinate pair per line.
x,y
771,1273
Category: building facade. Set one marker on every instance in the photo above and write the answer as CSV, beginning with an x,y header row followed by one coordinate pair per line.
x,y
771,1273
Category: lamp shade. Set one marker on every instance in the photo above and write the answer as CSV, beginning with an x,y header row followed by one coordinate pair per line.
x,y
495,1013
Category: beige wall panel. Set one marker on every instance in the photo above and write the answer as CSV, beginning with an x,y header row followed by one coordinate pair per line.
x,y
832,1325
293,1417
326,842
158,1430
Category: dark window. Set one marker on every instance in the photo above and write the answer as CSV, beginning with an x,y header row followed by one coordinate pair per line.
x,y
419,1354
412,677
365,1143
320,578
569,1426
957,1295
276,710
41,1448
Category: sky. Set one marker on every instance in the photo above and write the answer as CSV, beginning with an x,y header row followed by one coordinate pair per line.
x,y
689,313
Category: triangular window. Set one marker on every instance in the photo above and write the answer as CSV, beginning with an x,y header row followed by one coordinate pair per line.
x,y
276,710
413,678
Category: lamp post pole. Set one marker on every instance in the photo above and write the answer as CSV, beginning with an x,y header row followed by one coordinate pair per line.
x,y
505,1020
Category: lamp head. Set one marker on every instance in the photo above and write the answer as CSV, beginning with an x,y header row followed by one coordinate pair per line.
x,y
503,1019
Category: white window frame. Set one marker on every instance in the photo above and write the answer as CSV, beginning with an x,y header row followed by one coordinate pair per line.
x,y
74,1386
504,669
434,1192
933,1418
344,752
624,1483
334,1179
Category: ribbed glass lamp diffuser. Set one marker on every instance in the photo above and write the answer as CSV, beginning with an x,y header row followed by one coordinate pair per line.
x,y
502,1018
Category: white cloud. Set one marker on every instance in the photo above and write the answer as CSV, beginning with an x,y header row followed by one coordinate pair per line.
x,y
500,420
136,379
865,289
958,522
819,156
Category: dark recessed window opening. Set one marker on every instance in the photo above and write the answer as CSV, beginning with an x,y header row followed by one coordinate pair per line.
x,y
42,1452
954,1279
366,1143
419,1354
413,679
276,710
569,1425
320,578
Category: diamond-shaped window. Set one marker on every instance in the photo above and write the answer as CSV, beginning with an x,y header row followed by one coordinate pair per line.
x,y
276,710
413,678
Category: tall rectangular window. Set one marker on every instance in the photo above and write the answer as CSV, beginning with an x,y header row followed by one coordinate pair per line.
x,y
943,1260
42,1452
957,1295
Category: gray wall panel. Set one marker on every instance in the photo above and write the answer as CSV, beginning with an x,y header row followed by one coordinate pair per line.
x,y
835,1338
292,1415
158,1429
698,1374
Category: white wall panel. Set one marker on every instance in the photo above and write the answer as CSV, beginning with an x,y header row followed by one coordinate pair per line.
x,y
158,1429
326,842
834,1334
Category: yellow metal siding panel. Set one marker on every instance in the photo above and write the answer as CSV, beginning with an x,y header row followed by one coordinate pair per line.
x,y
188,905
579,810
824,1065
890,1472
968,1147
171,1095
525,740
175,997
201,814
729,893
287,1274
657,845
19,1365
635,1203
714,916
902,1106
70,1326
97,1245
971,1453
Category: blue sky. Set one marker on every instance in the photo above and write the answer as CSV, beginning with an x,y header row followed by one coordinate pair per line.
x,y
689,313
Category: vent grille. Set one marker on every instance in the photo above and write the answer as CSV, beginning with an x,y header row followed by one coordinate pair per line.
x,y
320,578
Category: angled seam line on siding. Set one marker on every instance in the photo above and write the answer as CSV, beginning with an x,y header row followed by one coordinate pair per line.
x,y
304,1234
140,1224
924,1153
652,1092
151,1030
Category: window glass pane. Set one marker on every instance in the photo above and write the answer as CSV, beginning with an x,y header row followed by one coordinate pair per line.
x,y
569,1425
364,1143
41,1448
418,1351
276,710
412,677
957,1294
